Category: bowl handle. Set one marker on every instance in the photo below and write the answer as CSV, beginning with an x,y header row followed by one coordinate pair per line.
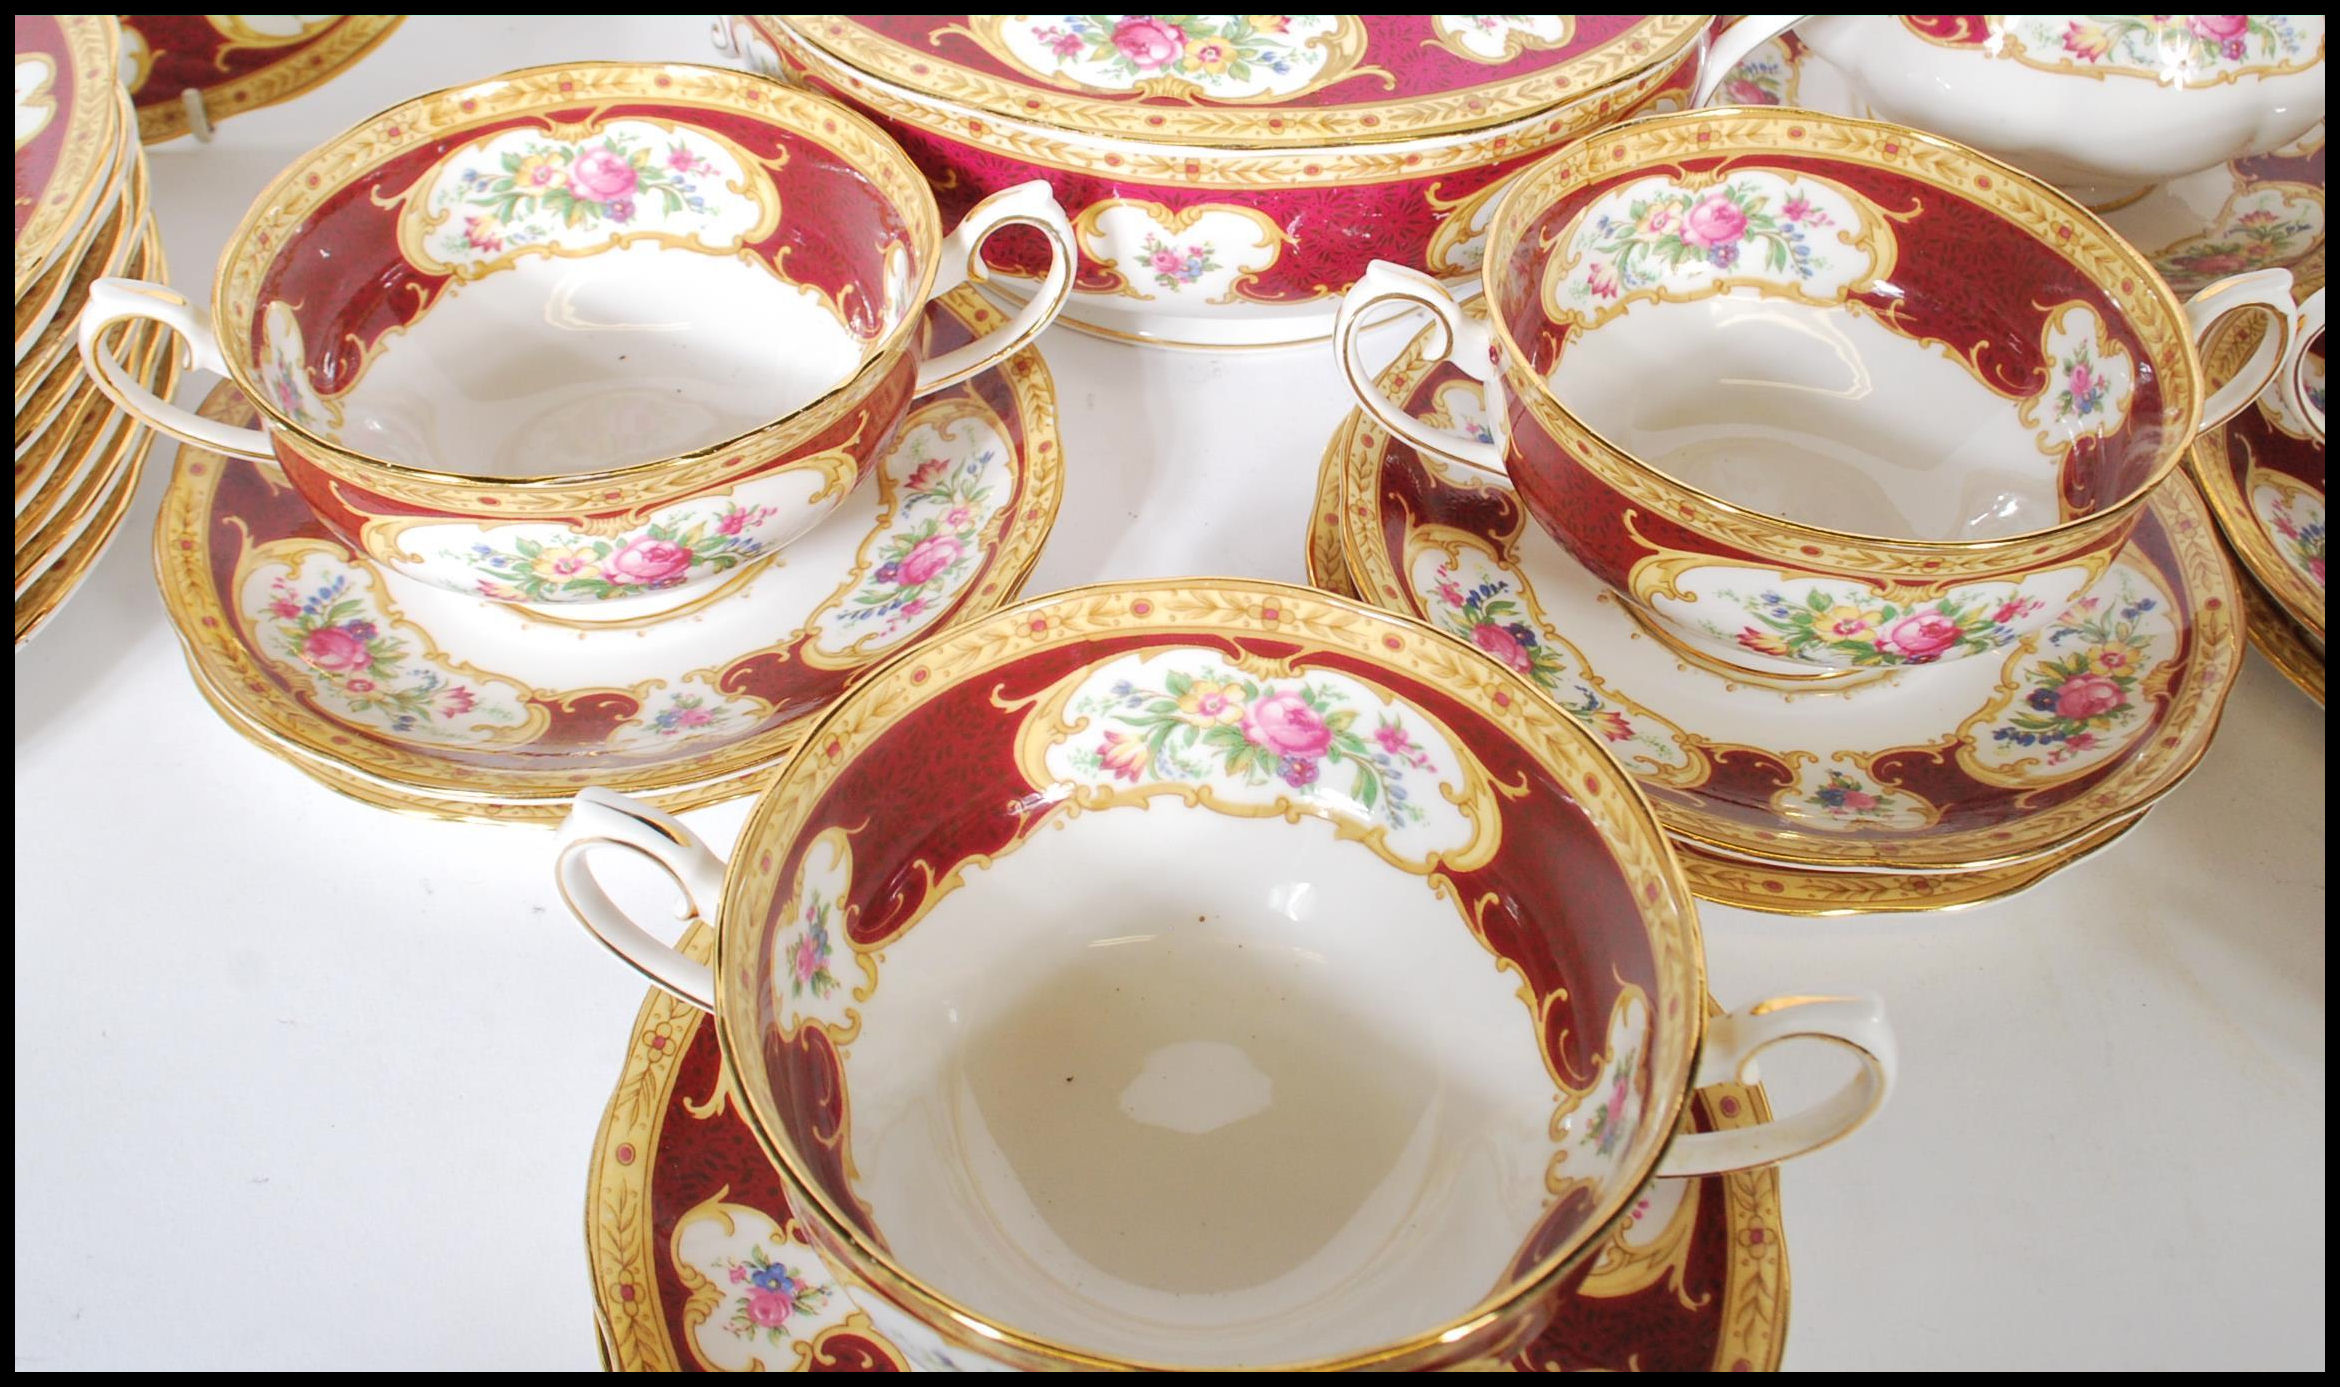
x,y
1730,48
1468,345
606,819
2270,364
1857,1023
114,301
2305,329
1026,204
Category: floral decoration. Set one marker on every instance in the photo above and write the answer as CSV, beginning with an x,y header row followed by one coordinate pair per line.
x,y
2267,225
1173,266
2182,45
1765,77
767,1293
1852,798
2097,655
566,566
805,955
325,625
1221,725
531,191
946,492
1853,627
1224,54
2294,514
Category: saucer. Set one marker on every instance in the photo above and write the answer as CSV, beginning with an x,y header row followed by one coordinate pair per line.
x,y
187,71
1956,768
412,697
2251,214
698,1265
1726,881
2263,474
2283,643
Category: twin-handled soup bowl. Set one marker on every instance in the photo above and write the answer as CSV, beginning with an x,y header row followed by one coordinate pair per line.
x,y
2102,105
582,333
1212,975
1821,394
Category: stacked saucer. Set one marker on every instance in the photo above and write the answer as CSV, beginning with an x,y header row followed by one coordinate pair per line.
x,y
81,213
2263,474
1919,789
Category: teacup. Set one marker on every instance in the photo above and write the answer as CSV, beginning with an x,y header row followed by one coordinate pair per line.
x,y
2104,106
1823,394
1212,975
584,333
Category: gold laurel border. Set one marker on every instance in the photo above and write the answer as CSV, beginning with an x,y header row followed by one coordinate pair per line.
x,y
93,128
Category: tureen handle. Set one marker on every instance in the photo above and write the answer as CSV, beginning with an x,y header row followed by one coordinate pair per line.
x,y
2272,363
1857,1023
1468,345
1026,204
1730,48
114,301
606,819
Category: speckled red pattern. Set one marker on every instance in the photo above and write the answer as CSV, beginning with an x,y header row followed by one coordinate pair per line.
x,y
700,1157
36,159
249,509
2252,440
933,793
1653,1329
1744,780
348,284
1403,45
1336,231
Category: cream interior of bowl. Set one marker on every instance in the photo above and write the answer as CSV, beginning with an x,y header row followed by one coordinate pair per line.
x,y
1199,1089
1815,415
641,352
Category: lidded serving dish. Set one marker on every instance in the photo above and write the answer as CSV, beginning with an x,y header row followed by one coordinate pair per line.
x,y
1229,176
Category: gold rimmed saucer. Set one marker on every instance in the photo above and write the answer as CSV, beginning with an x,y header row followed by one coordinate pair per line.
x,y
1728,871
685,1219
2279,638
231,63
414,698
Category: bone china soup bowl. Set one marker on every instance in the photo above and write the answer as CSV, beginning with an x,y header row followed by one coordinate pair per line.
x,y
597,333
1209,976
1820,394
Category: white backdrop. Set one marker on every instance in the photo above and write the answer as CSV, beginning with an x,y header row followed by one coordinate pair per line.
x,y
304,1084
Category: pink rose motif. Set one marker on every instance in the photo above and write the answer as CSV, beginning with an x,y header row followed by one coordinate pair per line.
x,y
1286,725
1064,45
1738,91
648,562
602,174
1503,645
682,160
1167,261
2082,379
732,522
2014,607
959,518
808,959
1858,800
360,686
738,1274
336,651
770,1309
2221,29
1920,636
1149,42
1449,593
927,475
1715,221
929,557
2086,696
914,606
693,717
456,701
285,608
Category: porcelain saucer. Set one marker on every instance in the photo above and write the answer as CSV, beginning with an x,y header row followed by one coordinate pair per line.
x,y
2263,474
187,71
1953,769
698,1265
2250,214
1757,886
2283,644
416,698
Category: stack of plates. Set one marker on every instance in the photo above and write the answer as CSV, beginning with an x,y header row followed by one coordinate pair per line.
x,y
81,212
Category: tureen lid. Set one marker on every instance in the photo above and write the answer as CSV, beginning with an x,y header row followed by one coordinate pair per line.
x,y
67,121
1252,80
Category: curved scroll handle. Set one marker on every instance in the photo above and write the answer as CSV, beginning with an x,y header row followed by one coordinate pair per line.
x,y
1857,1023
2305,329
604,819
2272,363
733,36
1468,345
114,301
1730,48
1026,204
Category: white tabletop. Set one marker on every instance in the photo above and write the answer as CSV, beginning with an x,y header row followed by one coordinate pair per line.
x,y
305,1084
